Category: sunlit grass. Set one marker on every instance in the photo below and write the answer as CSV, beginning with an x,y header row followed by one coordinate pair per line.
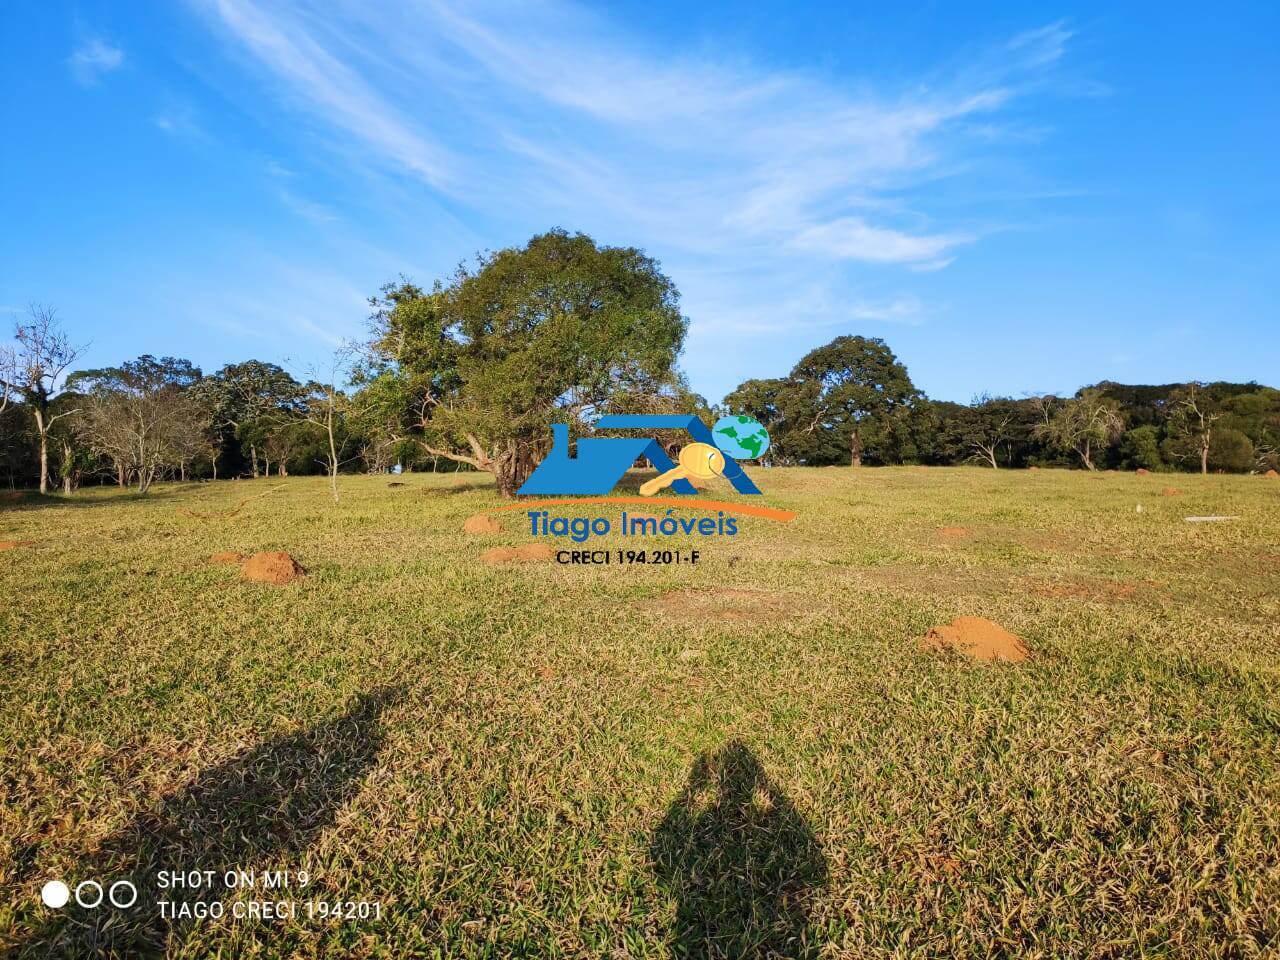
x,y
534,786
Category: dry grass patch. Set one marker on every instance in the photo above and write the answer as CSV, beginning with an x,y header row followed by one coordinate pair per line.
x,y
530,552
1094,589
738,604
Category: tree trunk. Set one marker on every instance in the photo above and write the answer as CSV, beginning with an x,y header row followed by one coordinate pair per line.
x,y
44,450
120,479
855,449
253,452
1204,456
333,454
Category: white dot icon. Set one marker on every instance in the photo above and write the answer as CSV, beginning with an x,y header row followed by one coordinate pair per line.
x,y
55,894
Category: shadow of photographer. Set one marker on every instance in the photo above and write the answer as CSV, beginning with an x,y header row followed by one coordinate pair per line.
x,y
742,863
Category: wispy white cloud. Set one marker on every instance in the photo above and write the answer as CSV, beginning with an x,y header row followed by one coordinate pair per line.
x,y
179,120
307,209
775,197
330,87
92,59
854,239
904,310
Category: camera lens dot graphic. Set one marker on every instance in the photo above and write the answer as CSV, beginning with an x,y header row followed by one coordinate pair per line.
x,y
122,894
85,893
55,894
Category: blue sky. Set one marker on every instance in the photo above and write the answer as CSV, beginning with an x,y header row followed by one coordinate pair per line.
x,y
1018,198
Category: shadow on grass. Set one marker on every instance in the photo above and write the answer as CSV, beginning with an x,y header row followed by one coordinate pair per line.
x,y
465,486
23,500
741,862
255,812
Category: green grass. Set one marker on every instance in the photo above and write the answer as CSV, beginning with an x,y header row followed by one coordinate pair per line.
x,y
544,760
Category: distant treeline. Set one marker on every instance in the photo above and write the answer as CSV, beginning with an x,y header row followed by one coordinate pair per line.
x,y
851,401
471,373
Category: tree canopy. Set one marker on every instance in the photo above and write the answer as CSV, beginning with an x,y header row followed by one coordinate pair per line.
x,y
477,369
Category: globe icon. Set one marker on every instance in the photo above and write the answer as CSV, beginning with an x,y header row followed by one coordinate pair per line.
x,y
742,438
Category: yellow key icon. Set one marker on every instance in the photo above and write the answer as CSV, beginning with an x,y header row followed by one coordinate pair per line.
x,y
698,461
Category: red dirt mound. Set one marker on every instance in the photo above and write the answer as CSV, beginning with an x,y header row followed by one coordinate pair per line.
x,y
480,524
977,638
530,551
1142,471
1033,468
1271,473
953,533
1170,492
13,496
227,557
272,566
14,544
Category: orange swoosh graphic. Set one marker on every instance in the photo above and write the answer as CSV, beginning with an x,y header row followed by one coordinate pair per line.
x,y
769,513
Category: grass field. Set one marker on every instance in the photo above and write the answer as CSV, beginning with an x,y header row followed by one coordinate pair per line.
x,y
746,757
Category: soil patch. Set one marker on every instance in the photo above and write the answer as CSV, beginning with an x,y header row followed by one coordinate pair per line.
x,y
1083,588
953,533
234,511
13,496
726,603
523,554
227,557
272,566
976,638
1142,471
1170,492
481,524
14,544
1271,473
935,580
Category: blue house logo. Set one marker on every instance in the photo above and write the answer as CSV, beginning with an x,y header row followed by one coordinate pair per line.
x,y
602,461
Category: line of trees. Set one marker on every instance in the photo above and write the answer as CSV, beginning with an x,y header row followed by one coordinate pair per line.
x,y
153,418
852,401
471,373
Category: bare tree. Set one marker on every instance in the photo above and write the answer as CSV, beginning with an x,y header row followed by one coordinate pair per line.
x,y
1086,424
279,444
35,373
8,374
329,407
992,419
141,415
1193,419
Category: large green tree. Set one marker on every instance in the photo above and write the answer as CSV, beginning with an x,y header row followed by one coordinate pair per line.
x,y
850,387
477,369
246,399
995,431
